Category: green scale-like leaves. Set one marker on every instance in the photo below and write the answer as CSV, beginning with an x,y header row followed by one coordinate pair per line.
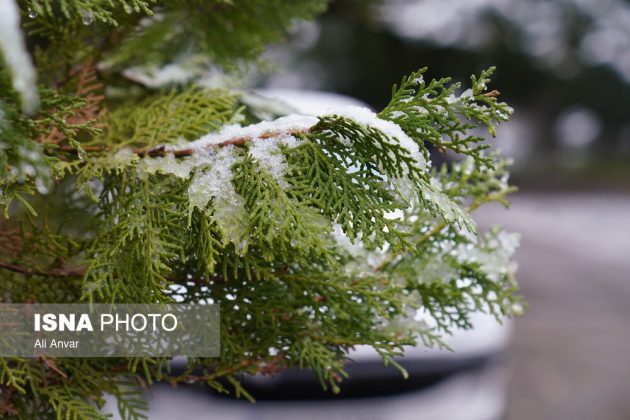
x,y
341,173
335,235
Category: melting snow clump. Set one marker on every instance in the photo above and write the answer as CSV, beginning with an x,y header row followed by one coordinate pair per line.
x,y
16,57
215,183
290,123
493,254
269,155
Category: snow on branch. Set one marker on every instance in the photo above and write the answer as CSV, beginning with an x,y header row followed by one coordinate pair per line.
x,y
16,56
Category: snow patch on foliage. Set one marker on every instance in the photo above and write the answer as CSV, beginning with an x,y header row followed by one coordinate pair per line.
x,y
269,155
364,261
353,248
215,183
170,165
213,155
392,130
436,201
493,253
289,124
123,157
16,56
450,211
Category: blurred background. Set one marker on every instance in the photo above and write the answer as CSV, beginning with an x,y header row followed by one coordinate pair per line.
x,y
564,65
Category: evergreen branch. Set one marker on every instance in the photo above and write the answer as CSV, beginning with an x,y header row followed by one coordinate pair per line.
x,y
90,113
12,376
67,406
29,245
87,11
131,404
168,117
435,113
316,233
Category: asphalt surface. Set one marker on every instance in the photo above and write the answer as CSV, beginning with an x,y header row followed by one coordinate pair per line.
x,y
570,355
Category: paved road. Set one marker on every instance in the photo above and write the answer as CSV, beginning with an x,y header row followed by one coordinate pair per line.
x,y
571,351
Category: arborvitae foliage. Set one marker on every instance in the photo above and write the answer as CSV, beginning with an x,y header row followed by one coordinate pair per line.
x,y
316,234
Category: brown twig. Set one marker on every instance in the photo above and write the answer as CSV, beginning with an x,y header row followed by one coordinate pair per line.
x,y
162,151
237,141
52,364
80,272
53,272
